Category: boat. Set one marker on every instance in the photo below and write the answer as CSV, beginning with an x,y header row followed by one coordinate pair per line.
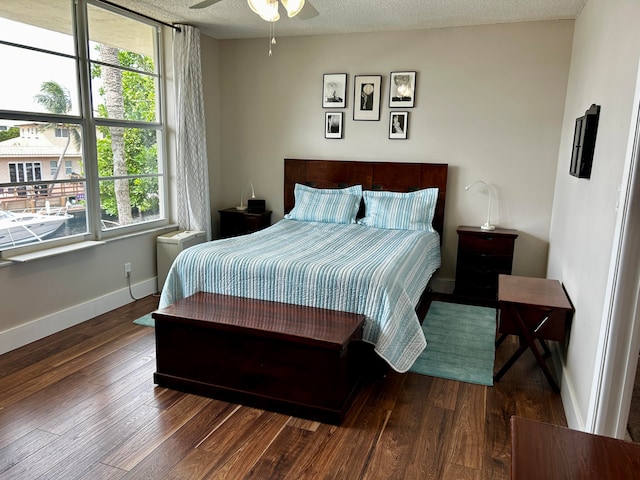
x,y
18,228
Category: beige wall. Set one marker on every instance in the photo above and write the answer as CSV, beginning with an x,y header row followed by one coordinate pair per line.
x,y
489,102
44,296
603,71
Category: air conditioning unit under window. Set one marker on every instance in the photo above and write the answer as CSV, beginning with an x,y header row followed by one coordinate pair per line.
x,y
170,245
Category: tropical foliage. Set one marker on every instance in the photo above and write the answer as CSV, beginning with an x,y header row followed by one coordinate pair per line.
x,y
12,132
127,95
57,99
139,145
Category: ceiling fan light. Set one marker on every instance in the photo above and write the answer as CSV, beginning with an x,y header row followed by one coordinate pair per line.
x,y
271,17
256,5
293,6
267,9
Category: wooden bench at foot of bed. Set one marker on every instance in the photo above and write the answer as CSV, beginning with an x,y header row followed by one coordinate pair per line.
x,y
297,360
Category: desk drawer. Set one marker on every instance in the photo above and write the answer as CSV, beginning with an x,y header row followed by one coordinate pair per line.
x,y
554,329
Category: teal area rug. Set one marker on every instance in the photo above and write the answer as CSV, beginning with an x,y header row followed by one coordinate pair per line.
x,y
460,343
146,320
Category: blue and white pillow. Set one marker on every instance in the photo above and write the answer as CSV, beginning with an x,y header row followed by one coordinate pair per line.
x,y
328,205
400,211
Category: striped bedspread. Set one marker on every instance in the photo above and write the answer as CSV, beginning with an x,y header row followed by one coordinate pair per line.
x,y
376,272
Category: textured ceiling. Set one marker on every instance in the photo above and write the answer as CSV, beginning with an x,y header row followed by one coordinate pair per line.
x,y
228,19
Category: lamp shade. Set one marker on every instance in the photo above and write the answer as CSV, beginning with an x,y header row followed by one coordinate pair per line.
x,y
293,7
267,9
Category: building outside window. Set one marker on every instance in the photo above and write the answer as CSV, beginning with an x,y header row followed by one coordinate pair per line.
x,y
92,115
24,172
62,132
68,167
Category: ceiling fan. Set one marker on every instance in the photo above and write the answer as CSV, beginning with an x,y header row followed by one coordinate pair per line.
x,y
268,9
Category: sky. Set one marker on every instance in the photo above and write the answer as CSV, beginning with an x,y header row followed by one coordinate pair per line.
x,y
24,71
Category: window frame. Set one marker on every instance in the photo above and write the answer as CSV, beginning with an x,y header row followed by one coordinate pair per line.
x,y
88,123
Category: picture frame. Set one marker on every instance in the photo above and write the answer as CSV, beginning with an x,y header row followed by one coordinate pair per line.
x,y
333,124
398,125
402,89
366,97
334,90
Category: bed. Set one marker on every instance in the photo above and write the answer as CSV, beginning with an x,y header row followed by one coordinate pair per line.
x,y
379,272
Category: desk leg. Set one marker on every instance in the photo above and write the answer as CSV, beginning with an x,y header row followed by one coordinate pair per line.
x,y
527,340
510,362
545,347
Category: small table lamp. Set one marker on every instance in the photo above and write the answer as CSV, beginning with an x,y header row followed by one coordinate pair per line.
x,y
487,225
242,205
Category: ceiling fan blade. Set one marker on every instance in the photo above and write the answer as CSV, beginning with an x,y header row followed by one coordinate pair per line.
x,y
203,4
308,11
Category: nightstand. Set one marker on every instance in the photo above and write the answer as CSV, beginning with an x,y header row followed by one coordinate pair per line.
x,y
235,222
482,256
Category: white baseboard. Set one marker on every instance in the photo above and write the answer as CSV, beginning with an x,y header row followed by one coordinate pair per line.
x,y
575,420
24,334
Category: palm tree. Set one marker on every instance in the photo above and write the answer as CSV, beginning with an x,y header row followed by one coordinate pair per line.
x,y
112,81
56,99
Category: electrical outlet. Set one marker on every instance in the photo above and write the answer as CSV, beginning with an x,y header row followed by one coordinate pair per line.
x,y
127,270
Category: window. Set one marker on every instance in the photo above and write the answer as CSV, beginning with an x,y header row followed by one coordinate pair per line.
x,y
62,132
24,172
94,122
68,168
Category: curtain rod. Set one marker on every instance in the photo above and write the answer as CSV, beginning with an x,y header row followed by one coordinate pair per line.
x,y
140,14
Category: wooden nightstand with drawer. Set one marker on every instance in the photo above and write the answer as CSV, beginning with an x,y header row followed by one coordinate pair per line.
x,y
482,256
235,222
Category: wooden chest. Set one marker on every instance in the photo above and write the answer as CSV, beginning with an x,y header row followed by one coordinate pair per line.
x,y
293,359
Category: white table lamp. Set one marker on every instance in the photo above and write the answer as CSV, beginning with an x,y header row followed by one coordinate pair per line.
x,y
242,205
487,225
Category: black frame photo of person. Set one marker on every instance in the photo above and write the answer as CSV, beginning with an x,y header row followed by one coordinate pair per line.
x,y
398,125
366,97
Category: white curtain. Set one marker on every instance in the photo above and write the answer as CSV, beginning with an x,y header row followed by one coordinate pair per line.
x,y
194,211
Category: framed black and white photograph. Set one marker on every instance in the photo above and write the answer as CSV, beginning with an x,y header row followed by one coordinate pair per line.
x,y
333,125
398,125
366,97
334,90
402,89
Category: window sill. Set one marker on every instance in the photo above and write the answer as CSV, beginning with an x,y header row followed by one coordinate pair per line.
x,y
73,247
50,252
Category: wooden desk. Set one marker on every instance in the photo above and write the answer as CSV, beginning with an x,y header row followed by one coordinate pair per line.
x,y
534,309
549,452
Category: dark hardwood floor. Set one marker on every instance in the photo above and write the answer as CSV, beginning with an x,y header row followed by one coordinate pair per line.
x,y
81,404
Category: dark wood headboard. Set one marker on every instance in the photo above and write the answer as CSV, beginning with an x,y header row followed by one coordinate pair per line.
x,y
389,176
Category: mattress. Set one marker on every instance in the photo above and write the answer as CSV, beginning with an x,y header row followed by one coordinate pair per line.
x,y
380,273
